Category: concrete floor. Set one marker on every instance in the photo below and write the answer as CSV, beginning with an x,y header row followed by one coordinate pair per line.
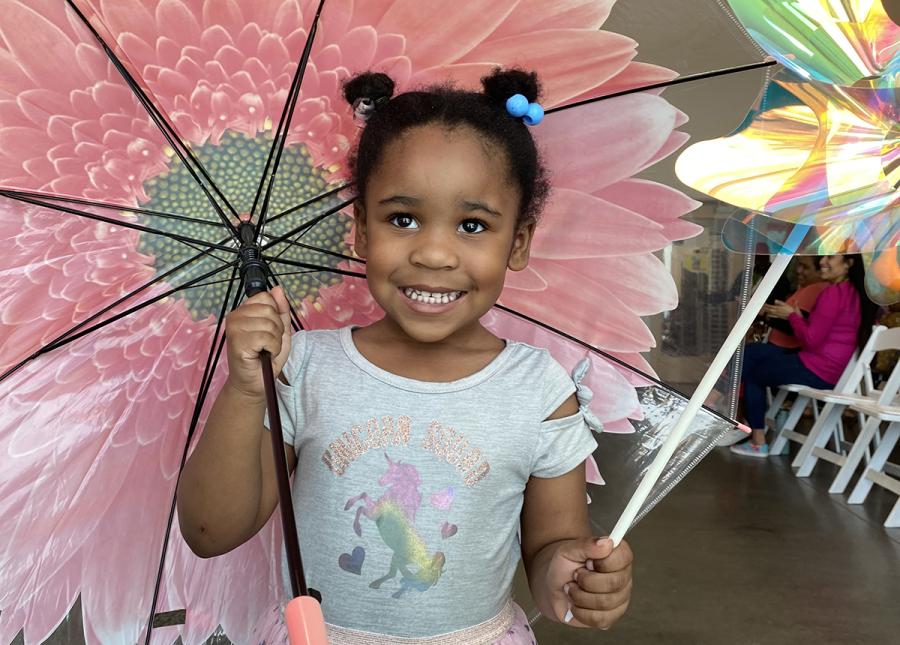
x,y
743,552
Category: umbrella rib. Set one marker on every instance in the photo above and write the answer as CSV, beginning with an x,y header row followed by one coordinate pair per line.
x,y
608,357
675,81
116,222
310,247
287,115
318,267
111,206
295,317
306,225
215,353
312,200
69,335
187,285
168,131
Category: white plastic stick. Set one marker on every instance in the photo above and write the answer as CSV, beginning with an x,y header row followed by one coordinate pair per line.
x,y
729,347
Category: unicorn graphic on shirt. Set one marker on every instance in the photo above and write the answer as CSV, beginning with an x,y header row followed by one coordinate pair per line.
x,y
394,514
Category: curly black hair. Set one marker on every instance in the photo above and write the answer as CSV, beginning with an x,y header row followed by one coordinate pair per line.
x,y
485,112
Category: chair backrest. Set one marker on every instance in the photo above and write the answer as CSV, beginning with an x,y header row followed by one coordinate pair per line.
x,y
887,339
890,339
857,376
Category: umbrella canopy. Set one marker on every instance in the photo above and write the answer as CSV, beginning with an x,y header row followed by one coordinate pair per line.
x,y
138,135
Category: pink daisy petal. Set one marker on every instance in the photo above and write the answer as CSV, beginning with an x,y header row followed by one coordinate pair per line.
x,y
530,16
601,55
578,225
615,138
462,28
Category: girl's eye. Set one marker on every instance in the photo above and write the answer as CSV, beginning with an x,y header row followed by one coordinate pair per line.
x,y
404,221
472,226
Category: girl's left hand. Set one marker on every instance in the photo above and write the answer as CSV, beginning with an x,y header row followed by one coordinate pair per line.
x,y
596,583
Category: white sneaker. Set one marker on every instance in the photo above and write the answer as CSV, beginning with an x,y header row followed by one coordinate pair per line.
x,y
732,437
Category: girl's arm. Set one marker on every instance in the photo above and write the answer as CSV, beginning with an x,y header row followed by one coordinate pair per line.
x,y
227,490
814,331
557,545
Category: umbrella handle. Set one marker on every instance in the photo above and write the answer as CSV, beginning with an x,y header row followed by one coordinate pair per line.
x,y
305,622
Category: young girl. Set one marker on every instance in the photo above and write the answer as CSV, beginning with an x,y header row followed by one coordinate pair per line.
x,y
429,453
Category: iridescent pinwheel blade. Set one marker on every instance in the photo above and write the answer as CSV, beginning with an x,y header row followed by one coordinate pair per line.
x,y
833,41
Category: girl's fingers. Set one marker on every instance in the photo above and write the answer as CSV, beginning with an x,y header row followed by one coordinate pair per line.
x,y
593,582
582,617
608,601
619,560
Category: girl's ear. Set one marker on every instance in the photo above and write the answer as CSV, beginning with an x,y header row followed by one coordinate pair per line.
x,y
521,248
361,239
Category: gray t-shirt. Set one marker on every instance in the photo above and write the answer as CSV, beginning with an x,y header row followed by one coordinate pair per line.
x,y
408,493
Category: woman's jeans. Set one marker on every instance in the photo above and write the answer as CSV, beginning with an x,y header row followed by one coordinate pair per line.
x,y
768,365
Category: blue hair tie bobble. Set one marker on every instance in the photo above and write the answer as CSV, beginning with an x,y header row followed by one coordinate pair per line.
x,y
518,106
534,115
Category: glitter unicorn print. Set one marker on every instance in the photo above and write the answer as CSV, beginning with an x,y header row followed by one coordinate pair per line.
x,y
394,514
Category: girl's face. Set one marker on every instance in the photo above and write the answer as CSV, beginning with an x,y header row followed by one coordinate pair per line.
x,y
438,230
807,272
834,268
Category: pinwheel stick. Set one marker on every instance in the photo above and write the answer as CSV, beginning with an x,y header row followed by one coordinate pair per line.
x,y
720,362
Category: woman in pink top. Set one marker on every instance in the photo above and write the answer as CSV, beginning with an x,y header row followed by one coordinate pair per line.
x,y
809,286
839,323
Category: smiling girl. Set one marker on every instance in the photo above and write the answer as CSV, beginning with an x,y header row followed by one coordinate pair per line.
x,y
430,455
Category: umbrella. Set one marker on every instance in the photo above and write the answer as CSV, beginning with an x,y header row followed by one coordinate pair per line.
x,y
138,137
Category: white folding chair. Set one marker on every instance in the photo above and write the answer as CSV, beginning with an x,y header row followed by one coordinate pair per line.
x,y
855,382
875,472
814,448
869,431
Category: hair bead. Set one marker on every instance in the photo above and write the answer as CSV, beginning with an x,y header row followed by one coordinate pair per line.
x,y
534,114
517,105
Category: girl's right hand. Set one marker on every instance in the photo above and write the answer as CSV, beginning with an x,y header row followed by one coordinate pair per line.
x,y
261,322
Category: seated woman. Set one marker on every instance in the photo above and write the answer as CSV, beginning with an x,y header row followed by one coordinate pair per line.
x,y
809,286
840,322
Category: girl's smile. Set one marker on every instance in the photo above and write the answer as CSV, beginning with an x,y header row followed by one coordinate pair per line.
x,y
431,299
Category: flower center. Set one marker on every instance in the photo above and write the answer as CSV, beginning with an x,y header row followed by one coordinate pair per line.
x,y
236,165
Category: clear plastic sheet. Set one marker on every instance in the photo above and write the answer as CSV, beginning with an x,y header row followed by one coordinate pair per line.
x,y
623,459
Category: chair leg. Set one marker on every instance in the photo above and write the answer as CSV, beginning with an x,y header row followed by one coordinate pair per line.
x,y
773,409
893,518
864,485
859,450
818,437
790,423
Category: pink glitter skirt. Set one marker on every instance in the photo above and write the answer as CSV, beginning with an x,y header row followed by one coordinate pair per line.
x,y
271,631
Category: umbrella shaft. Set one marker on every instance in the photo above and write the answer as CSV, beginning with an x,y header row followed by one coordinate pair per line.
x,y
288,524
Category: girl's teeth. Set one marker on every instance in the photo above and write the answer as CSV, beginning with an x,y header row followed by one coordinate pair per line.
x,y
432,298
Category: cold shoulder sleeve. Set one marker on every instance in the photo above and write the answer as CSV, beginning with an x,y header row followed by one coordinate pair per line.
x,y
288,393
565,442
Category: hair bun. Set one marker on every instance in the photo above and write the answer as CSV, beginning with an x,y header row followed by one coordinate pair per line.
x,y
503,83
368,85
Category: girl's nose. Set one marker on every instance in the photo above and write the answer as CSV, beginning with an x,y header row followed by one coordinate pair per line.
x,y
434,250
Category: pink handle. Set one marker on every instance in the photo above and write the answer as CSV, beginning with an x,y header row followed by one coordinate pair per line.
x,y
305,622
